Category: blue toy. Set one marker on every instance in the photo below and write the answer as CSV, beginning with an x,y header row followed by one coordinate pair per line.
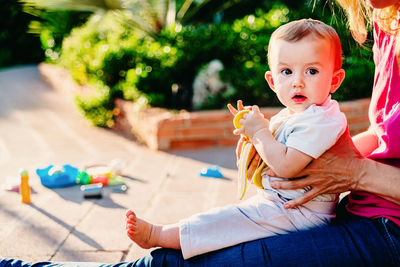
x,y
58,176
92,190
211,171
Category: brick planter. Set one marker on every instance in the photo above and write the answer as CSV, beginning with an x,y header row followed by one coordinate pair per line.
x,y
162,129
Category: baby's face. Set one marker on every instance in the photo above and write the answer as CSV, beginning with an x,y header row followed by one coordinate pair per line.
x,y
301,72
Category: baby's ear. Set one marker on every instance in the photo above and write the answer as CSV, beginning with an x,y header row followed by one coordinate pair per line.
x,y
270,80
337,79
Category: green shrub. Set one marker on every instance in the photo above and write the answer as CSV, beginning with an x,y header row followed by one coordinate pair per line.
x,y
359,67
160,71
53,27
97,107
98,110
246,73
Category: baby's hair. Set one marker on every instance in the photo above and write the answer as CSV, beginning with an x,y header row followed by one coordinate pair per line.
x,y
297,30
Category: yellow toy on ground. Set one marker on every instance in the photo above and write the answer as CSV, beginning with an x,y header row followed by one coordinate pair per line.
x,y
24,189
245,159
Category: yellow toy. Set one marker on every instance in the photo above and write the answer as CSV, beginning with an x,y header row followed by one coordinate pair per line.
x,y
245,159
24,188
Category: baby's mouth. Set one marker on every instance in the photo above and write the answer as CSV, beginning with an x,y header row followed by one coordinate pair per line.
x,y
299,98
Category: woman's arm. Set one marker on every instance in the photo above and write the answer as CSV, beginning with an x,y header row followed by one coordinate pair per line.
x,y
388,180
343,168
366,142
380,179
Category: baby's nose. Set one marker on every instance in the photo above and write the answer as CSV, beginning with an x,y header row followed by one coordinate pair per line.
x,y
298,81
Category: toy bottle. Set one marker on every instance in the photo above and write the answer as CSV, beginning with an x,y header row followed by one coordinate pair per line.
x,y
24,188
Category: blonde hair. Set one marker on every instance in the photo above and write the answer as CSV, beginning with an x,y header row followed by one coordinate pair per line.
x,y
361,16
297,30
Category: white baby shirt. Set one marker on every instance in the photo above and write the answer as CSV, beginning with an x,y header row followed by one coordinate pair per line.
x,y
312,132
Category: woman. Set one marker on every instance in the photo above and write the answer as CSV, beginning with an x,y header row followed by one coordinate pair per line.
x,y
368,230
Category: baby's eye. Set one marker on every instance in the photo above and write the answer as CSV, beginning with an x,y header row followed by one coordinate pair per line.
x,y
286,71
312,71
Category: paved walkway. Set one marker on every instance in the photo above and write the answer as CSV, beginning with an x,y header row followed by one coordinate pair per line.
x,y
38,127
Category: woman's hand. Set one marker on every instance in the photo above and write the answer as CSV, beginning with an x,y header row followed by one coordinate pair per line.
x,y
336,171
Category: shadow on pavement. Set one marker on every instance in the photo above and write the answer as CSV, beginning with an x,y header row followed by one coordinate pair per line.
x,y
221,156
74,194
81,236
46,234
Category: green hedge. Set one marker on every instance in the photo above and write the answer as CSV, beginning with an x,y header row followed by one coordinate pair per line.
x,y
122,62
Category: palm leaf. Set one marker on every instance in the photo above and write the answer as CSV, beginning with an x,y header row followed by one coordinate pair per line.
x,y
184,8
80,5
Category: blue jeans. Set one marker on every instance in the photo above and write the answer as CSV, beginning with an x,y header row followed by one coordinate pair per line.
x,y
346,242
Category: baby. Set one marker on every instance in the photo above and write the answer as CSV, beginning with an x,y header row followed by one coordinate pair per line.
x,y
305,68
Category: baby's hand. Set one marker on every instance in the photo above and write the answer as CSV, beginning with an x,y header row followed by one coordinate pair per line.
x,y
240,107
252,122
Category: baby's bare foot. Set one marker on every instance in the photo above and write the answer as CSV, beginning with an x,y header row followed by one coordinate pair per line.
x,y
143,233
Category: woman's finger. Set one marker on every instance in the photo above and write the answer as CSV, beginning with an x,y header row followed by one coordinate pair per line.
x,y
252,153
270,172
253,165
304,198
252,157
239,147
291,184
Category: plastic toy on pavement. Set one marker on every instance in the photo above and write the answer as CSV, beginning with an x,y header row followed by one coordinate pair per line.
x,y
211,171
102,179
24,188
83,177
92,190
95,174
12,184
122,188
116,166
55,176
104,174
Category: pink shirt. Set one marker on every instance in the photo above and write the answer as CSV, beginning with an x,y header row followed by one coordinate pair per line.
x,y
384,115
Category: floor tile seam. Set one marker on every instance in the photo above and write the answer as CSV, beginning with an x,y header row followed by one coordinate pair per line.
x,y
71,231
167,173
23,219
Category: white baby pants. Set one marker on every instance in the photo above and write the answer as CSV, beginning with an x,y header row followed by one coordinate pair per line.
x,y
258,217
